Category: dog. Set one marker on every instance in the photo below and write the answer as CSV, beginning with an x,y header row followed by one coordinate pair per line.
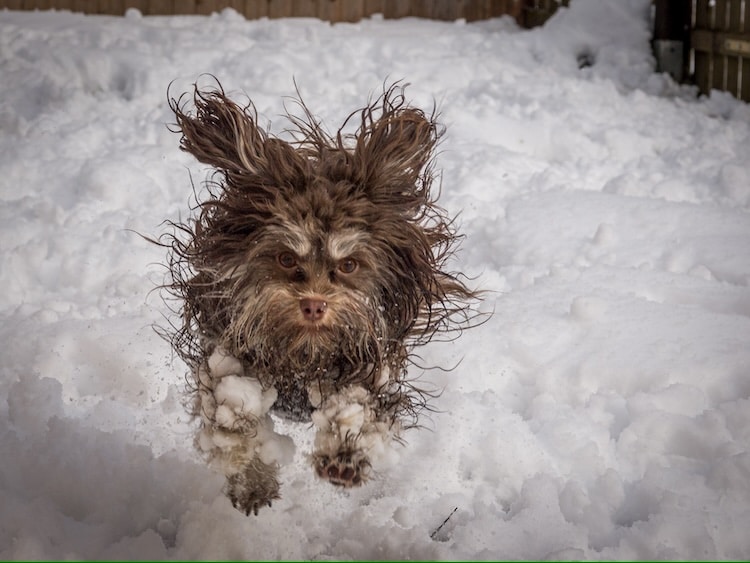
x,y
306,277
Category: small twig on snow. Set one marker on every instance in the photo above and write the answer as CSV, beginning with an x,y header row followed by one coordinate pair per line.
x,y
440,527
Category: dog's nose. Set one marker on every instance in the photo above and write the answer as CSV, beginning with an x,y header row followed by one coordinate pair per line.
x,y
313,309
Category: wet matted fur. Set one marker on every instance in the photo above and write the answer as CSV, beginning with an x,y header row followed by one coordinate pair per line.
x,y
306,276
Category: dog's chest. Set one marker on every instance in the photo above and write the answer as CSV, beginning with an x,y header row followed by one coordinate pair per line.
x,y
293,402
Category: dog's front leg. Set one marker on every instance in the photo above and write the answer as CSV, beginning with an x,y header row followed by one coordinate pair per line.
x,y
237,433
355,428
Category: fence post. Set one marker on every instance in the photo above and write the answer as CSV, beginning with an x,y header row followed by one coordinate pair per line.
x,y
672,37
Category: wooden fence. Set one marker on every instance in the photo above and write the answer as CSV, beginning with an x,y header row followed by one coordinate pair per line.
x,y
526,12
720,43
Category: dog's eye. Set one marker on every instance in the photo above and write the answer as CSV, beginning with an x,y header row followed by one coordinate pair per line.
x,y
287,260
348,266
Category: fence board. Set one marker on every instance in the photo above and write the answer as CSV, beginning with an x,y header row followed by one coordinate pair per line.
x,y
507,8
733,63
373,7
447,10
140,5
304,8
719,63
279,8
744,86
340,10
184,6
396,9
237,5
350,10
475,10
734,17
326,10
732,75
703,63
203,7
161,7
422,8
113,7
255,9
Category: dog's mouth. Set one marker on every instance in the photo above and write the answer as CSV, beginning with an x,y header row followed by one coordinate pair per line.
x,y
312,336
313,330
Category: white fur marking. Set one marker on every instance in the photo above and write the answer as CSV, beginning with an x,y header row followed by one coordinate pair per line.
x,y
244,396
294,237
220,364
343,244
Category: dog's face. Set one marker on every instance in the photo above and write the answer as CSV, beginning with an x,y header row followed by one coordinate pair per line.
x,y
316,256
309,296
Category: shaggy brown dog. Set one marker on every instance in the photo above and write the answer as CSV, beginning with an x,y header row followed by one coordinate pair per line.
x,y
306,278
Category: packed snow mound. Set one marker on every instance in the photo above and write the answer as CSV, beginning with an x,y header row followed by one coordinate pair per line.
x,y
603,410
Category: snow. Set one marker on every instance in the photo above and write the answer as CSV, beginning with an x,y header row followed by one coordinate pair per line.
x,y
603,412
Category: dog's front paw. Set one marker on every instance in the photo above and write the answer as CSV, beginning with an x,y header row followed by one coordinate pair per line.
x,y
345,469
254,487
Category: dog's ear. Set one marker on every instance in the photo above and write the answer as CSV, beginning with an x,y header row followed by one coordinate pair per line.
x,y
393,152
226,136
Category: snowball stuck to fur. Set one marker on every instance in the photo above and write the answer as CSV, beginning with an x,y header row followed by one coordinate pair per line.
x,y
221,364
244,396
